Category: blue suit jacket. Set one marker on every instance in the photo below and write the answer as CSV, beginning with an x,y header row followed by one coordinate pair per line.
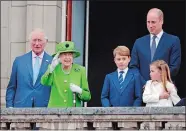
x,y
20,91
168,50
129,95
182,102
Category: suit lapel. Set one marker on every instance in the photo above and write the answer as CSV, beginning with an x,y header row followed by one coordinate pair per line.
x,y
116,81
147,48
43,68
29,66
160,45
128,77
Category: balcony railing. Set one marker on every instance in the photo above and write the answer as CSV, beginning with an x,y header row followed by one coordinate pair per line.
x,y
95,118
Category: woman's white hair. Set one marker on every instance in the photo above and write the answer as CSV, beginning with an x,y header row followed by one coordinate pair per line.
x,y
37,30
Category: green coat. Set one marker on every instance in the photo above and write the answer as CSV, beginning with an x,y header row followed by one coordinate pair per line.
x,y
61,94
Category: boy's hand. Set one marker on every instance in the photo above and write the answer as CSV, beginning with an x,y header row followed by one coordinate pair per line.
x,y
164,95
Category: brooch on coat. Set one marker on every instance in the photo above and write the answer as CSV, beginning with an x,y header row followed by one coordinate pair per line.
x,y
76,69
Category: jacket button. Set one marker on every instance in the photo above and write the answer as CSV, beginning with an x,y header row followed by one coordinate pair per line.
x,y
65,90
65,100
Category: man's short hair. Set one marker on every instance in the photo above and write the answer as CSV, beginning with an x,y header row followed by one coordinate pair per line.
x,y
37,30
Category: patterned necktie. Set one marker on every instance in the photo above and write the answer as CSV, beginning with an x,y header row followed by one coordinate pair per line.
x,y
153,47
36,69
121,78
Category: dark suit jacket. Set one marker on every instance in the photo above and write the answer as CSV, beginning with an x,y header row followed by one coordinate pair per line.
x,y
168,50
20,91
129,95
182,102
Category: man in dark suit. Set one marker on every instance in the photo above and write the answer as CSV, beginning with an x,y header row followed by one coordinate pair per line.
x,y
24,88
157,45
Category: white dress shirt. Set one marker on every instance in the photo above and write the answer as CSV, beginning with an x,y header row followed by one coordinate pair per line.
x,y
153,90
124,74
158,37
34,58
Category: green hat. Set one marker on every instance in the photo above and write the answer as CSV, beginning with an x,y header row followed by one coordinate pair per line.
x,y
67,46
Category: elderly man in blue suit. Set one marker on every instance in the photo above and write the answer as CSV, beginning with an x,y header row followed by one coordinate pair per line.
x,y
157,45
24,88
122,87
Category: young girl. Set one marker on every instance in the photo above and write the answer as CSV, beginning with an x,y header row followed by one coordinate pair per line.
x,y
160,91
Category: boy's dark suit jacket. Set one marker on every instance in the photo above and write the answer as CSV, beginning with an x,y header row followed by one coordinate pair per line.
x,y
129,95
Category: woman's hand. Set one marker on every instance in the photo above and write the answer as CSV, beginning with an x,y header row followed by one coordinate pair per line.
x,y
75,88
55,62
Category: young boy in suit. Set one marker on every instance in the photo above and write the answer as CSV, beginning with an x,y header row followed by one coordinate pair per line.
x,y
122,87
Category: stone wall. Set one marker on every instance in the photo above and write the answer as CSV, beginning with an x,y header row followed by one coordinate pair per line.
x,y
18,19
95,118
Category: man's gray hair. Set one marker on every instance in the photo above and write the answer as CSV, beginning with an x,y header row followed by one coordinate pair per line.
x,y
37,30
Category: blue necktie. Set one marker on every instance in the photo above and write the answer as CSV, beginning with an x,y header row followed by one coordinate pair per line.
x,y
121,78
36,69
153,47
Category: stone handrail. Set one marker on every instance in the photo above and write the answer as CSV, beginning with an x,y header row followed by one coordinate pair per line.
x,y
137,118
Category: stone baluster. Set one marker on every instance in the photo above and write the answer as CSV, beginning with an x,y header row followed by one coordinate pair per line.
x,y
102,125
175,125
62,125
3,126
127,125
19,126
151,125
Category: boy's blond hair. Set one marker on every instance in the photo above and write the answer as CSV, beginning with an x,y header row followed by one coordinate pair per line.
x,y
121,50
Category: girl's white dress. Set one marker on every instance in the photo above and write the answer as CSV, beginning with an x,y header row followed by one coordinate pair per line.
x,y
152,91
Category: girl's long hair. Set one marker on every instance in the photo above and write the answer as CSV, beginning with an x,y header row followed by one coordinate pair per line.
x,y
165,71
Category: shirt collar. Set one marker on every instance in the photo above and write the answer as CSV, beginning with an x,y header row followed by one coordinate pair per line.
x,y
125,70
158,35
40,56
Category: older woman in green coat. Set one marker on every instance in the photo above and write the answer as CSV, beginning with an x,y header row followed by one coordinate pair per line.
x,y
69,85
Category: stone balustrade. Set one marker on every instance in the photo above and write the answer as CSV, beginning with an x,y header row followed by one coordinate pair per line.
x,y
95,118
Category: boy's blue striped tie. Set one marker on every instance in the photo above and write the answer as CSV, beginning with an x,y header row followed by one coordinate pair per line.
x,y
121,78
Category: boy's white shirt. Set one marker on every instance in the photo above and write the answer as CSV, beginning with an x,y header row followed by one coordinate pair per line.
x,y
154,89
124,74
